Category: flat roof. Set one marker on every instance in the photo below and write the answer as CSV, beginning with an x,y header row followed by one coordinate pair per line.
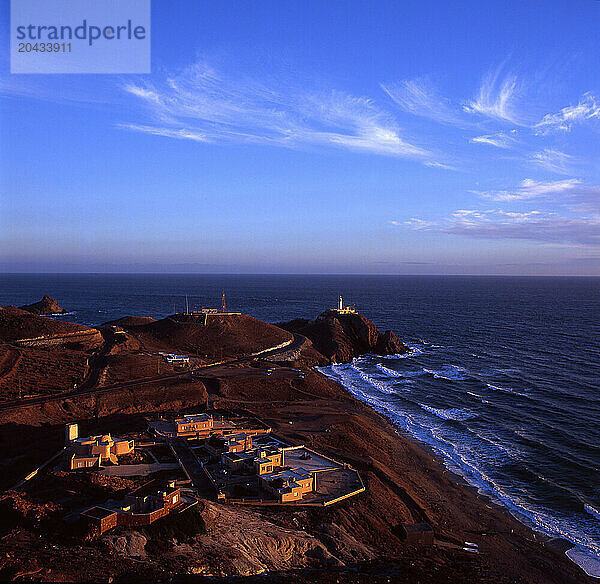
x,y
236,437
193,418
239,455
290,474
98,512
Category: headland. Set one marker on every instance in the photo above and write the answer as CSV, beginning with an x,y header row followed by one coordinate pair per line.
x,y
142,392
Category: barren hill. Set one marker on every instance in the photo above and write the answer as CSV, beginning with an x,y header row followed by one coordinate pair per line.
x,y
226,336
130,321
16,323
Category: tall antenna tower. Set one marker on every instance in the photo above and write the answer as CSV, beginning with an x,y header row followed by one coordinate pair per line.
x,y
223,307
187,306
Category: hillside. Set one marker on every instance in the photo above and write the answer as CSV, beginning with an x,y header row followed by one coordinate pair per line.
x,y
129,321
223,336
16,323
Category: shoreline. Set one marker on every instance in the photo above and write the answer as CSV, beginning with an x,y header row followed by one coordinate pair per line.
x,y
556,543
407,482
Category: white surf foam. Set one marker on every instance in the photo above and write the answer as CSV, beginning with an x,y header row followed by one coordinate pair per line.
x,y
388,371
458,457
457,414
450,372
588,563
591,510
376,383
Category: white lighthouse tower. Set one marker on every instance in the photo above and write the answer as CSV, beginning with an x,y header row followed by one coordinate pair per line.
x,y
341,309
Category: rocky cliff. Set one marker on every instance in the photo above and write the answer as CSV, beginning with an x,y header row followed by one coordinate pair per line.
x,y
47,305
341,337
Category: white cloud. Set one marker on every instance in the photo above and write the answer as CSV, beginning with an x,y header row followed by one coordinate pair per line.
x,y
534,226
529,189
435,164
553,160
499,140
575,219
539,226
588,109
418,97
415,223
496,97
182,134
204,105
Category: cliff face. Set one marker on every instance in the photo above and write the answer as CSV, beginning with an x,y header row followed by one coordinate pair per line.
x,y
341,337
47,305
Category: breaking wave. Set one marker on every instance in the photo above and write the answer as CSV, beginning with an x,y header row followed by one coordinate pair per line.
x,y
451,413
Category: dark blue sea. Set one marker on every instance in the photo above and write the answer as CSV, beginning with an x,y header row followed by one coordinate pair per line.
x,y
502,380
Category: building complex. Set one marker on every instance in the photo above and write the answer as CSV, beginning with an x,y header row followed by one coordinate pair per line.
x,y
93,451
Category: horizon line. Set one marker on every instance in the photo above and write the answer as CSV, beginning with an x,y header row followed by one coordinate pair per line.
x,y
349,274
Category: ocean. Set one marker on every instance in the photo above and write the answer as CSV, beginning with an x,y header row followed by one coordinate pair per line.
x,y
502,379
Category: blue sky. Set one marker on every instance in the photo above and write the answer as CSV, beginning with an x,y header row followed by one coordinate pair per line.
x,y
355,137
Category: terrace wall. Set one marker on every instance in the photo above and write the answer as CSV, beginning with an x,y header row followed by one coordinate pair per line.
x,y
141,519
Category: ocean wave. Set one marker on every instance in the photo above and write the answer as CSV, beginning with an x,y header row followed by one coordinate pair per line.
x,y
457,414
458,457
413,350
473,394
60,314
476,461
487,372
498,388
588,563
388,371
376,383
591,510
413,373
522,393
449,372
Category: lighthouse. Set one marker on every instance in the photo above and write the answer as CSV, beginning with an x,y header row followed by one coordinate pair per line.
x,y
341,309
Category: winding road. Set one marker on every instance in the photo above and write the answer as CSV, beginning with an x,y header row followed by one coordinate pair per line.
x,y
88,386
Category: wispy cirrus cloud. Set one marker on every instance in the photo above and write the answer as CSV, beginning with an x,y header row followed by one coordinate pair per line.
x,y
553,160
573,218
182,134
499,140
496,97
420,98
546,227
536,225
588,109
530,189
204,105
415,223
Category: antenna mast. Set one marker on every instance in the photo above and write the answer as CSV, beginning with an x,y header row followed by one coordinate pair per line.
x,y
223,307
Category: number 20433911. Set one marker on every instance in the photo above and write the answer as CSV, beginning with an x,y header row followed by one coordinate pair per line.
x,y
44,48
